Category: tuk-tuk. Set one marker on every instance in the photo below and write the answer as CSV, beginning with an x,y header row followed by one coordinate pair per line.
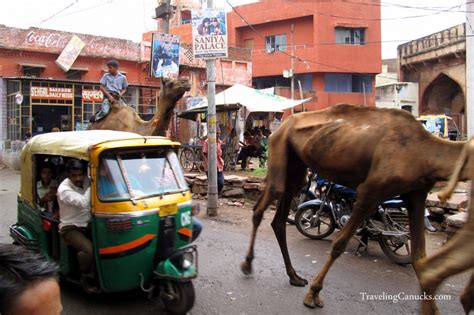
x,y
141,237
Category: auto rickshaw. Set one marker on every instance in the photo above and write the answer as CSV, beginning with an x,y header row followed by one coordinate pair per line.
x,y
141,237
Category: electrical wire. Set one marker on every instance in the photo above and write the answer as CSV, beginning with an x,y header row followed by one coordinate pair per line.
x,y
57,13
306,60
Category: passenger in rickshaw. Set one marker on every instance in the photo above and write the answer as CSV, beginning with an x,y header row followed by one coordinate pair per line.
x,y
74,213
46,187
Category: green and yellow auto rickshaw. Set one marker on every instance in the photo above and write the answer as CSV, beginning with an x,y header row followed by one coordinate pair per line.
x,y
141,235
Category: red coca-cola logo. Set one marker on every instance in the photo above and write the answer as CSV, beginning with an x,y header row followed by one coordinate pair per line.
x,y
49,40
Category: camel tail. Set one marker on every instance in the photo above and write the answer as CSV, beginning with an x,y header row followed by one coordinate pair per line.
x,y
446,193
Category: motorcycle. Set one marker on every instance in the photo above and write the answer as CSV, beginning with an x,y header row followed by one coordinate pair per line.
x,y
319,218
308,192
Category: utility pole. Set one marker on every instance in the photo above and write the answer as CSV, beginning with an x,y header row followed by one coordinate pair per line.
x,y
211,134
292,40
166,20
470,67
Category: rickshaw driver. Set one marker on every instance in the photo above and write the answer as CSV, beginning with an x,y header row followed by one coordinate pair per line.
x,y
74,214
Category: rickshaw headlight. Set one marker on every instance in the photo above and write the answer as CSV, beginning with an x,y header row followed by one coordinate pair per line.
x,y
187,260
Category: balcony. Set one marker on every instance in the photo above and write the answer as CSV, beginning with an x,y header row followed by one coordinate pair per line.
x,y
451,41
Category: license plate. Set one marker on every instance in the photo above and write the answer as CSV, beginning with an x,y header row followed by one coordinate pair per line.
x,y
168,210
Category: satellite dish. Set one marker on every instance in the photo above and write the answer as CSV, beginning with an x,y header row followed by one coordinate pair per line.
x,y
19,98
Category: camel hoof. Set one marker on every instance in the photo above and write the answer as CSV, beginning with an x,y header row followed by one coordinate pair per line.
x,y
309,301
246,268
298,282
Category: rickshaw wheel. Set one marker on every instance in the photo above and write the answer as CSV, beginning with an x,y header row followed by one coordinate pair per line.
x,y
186,158
184,300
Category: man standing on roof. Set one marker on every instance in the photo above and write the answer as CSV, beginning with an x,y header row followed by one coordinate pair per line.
x,y
114,85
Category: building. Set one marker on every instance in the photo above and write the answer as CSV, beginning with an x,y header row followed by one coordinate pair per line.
x,y
391,93
36,95
437,62
52,98
336,45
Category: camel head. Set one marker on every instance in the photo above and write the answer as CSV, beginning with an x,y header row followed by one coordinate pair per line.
x,y
174,89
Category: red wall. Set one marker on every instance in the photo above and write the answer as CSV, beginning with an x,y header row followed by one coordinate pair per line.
x,y
315,37
137,74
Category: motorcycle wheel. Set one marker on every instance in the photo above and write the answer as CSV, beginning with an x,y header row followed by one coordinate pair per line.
x,y
313,230
396,252
184,300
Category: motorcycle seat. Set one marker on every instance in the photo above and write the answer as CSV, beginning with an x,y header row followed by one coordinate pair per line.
x,y
393,203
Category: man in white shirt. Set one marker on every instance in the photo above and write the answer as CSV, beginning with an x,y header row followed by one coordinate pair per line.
x,y
74,213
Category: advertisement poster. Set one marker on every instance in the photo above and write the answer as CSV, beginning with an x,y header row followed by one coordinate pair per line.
x,y
164,56
209,33
70,53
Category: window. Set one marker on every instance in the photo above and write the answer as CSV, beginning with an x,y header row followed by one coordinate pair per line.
x,y
32,71
347,83
74,74
350,36
275,43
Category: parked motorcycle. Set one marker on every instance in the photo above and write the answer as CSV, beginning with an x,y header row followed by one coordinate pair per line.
x,y
308,192
319,218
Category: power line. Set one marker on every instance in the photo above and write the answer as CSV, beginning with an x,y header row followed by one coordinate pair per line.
x,y
305,60
376,19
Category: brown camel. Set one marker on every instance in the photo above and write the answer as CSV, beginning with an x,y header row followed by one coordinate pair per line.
x,y
458,254
124,118
380,153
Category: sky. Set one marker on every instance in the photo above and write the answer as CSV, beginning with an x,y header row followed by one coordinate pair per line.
x,y
130,18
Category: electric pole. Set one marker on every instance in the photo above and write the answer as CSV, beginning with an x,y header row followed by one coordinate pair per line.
x,y
211,134
292,71
470,67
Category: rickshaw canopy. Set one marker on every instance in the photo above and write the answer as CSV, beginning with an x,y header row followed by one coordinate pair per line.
x,y
77,144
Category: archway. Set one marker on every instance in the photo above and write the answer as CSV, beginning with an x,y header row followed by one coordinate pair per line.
x,y
445,96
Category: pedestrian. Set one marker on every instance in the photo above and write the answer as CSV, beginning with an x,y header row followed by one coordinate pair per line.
x,y
220,160
114,85
28,283
74,196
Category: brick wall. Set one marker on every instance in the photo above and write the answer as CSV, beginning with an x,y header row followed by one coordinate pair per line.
x,y
3,109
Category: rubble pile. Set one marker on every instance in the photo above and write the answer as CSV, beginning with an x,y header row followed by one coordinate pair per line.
x,y
234,186
451,215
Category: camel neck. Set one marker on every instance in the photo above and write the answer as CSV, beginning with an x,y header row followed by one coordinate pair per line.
x,y
442,156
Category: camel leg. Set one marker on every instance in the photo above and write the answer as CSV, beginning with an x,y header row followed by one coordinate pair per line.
x,y
262,204
279,228
454,257
467,297
416,208
363,208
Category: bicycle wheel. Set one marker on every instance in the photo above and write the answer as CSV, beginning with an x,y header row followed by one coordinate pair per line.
x,y
186,159
199,160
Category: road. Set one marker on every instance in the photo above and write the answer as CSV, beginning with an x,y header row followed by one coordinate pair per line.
x,y
222,289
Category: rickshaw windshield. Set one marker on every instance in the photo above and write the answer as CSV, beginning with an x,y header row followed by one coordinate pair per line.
x,y
130,175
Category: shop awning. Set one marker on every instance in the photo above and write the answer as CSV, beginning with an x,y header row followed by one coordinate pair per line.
x,y
82,69
31,65
240,95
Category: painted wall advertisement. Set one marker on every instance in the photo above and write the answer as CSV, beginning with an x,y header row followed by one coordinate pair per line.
x,y
70,53
209,33
164,56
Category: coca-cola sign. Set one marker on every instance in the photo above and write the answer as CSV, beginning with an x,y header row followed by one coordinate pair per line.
x,y
48,40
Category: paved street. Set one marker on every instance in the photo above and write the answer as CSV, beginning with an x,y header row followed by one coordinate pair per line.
x,y
222,289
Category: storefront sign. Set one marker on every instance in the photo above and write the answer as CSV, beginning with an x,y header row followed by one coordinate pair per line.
x,y
70,53
209,33
92,96
164,56
51,93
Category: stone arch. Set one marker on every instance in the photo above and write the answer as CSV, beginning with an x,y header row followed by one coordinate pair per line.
x,y
444,96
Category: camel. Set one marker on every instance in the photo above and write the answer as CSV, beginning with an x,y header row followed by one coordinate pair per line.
x,y
378,152
458,254
124,118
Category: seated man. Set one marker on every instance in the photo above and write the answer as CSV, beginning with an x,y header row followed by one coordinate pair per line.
x,y
46,188
74,211
114,85
107,187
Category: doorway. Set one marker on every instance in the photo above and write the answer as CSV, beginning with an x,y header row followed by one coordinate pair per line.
x,y
46,117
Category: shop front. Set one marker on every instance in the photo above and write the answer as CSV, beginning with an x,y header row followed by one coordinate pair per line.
x,y
38,106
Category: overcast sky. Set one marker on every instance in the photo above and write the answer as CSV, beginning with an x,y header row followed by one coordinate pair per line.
x,y
130,18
